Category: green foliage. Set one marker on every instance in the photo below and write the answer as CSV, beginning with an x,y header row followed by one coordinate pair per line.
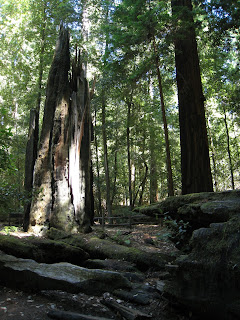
x,y
179,229
121,239
8,229
117,45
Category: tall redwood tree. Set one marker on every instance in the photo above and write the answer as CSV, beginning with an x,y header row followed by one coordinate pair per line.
x,y
195,162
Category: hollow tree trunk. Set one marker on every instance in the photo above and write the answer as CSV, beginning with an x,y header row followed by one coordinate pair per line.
x,y
62,176
195,162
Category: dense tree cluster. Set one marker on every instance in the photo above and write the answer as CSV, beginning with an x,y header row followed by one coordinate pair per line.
x,y
129,50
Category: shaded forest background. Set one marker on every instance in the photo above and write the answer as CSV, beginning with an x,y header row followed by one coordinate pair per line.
x,y
128,151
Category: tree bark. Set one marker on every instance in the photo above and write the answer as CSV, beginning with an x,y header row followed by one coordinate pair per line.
x,y
62,179
195,162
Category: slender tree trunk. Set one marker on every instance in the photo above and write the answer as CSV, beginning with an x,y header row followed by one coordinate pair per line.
x,y
213,155
143,184
100,213
115,171
228,149
129,157
168,155
105,152
30,158
62,173
33,131
195,162
153,169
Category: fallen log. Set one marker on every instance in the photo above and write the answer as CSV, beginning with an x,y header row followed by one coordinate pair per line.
x,y
127,313
106,249
42,250
66,315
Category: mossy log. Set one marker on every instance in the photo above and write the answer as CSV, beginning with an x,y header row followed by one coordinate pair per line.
x,y
106,249
42,250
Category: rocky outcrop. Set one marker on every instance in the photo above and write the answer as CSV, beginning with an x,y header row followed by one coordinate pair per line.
x,y
31,275
206,280
184,214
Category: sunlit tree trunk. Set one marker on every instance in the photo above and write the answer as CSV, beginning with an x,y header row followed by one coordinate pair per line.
x,y
153,169
143,184
129,157
33,131
212,155
228,149
115,171
166,136
99,197
105,154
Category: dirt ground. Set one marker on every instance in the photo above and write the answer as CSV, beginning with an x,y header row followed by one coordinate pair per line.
x,y
18,305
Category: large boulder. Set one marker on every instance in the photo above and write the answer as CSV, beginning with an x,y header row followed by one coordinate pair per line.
x,y
31,275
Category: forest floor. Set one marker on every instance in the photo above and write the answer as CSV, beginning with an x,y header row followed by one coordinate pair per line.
x,y
18,305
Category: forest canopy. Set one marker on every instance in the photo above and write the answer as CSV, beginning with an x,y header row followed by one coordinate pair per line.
x,y
129,49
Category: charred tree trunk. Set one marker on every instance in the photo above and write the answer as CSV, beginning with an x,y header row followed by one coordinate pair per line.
x,y
195,162
62,176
